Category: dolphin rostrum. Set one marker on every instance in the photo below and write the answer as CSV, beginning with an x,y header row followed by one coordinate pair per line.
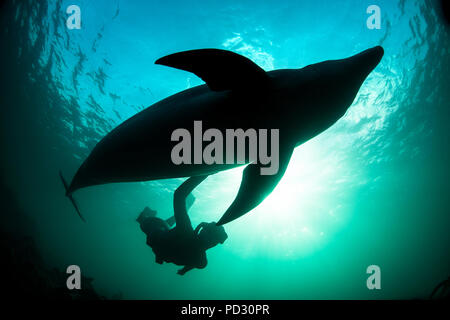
x,y
238,94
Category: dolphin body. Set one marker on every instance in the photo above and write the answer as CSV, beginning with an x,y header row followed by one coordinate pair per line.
x,y
301,103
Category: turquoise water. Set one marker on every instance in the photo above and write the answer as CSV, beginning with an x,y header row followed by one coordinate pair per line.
x,y
373,189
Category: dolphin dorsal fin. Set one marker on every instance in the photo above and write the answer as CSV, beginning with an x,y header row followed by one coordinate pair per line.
x,y
220,69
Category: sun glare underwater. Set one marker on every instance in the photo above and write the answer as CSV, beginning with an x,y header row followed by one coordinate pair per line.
x,y
371,190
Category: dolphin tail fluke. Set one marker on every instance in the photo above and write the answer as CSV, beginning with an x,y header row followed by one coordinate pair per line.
x,y
66,187
255,188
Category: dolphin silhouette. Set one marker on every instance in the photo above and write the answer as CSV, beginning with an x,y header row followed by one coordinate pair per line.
x,y
238,94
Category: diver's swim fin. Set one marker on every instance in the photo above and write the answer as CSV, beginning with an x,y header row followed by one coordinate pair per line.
x,y
70,196
145,214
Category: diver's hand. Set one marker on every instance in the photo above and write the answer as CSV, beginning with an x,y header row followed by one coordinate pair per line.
x,y
201,225
183,270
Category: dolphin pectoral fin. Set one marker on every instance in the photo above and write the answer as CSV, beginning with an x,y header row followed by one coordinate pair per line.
x,y
220,69
254,188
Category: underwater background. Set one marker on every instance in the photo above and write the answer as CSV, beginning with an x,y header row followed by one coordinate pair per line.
x,y
371,190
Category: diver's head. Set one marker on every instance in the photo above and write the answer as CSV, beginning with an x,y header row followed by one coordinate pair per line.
x,y
211,235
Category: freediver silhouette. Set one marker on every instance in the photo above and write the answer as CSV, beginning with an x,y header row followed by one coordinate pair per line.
x,y
181,245
301,103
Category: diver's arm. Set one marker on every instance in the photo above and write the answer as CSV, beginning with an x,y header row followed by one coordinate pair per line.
x,y
183,270
179,201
